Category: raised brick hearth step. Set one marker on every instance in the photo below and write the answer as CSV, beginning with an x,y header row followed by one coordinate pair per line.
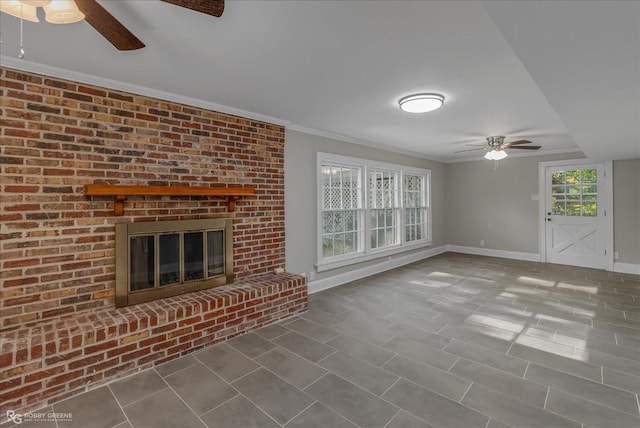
x,y
60,358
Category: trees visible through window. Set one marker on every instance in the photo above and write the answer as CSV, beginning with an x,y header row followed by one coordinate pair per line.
x,y
575,192
393,215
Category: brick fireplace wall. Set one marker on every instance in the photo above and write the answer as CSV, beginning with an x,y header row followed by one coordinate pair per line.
x,y
59,329
57,136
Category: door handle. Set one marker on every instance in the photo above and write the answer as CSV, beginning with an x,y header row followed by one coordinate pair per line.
x,y
548,219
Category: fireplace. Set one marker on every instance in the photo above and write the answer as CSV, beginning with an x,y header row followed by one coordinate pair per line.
x,y
160,259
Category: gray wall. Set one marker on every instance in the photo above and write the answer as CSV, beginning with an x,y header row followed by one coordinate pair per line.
x,y
471,201
300,195
494,204
626,210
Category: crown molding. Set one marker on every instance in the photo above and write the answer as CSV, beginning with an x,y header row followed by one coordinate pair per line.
x,y
339,137
61,73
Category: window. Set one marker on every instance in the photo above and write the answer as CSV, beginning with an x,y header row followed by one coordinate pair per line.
x,y
384,207
415,207
369,209
575,192
341,209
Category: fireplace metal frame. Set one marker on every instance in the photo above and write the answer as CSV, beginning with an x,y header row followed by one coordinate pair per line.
x,y
125,297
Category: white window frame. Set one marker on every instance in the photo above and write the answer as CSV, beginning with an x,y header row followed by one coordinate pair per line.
x,y
366,252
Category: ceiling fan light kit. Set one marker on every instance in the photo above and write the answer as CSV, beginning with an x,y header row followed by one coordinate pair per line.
x,y
56,11
421,103
23,10
62,12
495,155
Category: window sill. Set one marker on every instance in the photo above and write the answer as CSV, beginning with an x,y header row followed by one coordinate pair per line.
x,y
375,254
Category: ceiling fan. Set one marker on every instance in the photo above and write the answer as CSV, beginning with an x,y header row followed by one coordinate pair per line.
x,y
496,146
68,11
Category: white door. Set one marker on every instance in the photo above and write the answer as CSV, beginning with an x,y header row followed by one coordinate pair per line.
x,y
574,221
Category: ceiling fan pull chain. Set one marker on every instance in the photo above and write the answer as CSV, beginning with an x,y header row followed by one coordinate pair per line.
x,y
21,53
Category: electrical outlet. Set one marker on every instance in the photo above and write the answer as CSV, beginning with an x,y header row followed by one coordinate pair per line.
x,y
616,256
311,276
482,243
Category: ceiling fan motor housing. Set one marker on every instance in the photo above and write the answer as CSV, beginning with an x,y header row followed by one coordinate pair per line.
x,y
495,141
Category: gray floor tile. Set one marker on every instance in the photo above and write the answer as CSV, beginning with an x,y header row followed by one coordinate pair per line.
x,y
511,411
372,330
97,408
175,365
313,330
365,375
421,352
515,366
417,321
291,367
279,399
308,348
568,365
200,388
138,386
319,416
405,420
437,380
497,424
410,332
613,362
251,344
325,318
352,402
365,351
227,362
588,412
589,390
272,331
621,380
238,413
477,335
162,409
433,408
506,383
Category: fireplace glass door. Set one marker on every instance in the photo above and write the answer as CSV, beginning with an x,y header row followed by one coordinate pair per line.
x,y
171,258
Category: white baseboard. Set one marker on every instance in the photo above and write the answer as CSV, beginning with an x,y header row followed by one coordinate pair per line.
x,y
631,268
531,257
384,265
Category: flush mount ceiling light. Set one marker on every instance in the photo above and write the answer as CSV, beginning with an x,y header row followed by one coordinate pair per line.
x,y
495,155
56,11
421,103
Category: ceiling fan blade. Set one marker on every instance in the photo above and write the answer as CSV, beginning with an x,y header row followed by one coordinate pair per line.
x,y
210,7
469,150
110,28
477,145
516,143
525,147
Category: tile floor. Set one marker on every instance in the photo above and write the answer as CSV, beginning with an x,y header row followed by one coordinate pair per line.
x,y
453,341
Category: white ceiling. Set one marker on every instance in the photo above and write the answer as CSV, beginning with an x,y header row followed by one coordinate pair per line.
x,y
564,74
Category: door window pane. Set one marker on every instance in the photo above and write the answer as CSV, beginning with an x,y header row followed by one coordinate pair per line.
x,y
580,188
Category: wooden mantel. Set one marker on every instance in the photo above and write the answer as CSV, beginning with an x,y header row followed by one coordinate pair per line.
x,y
120,193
